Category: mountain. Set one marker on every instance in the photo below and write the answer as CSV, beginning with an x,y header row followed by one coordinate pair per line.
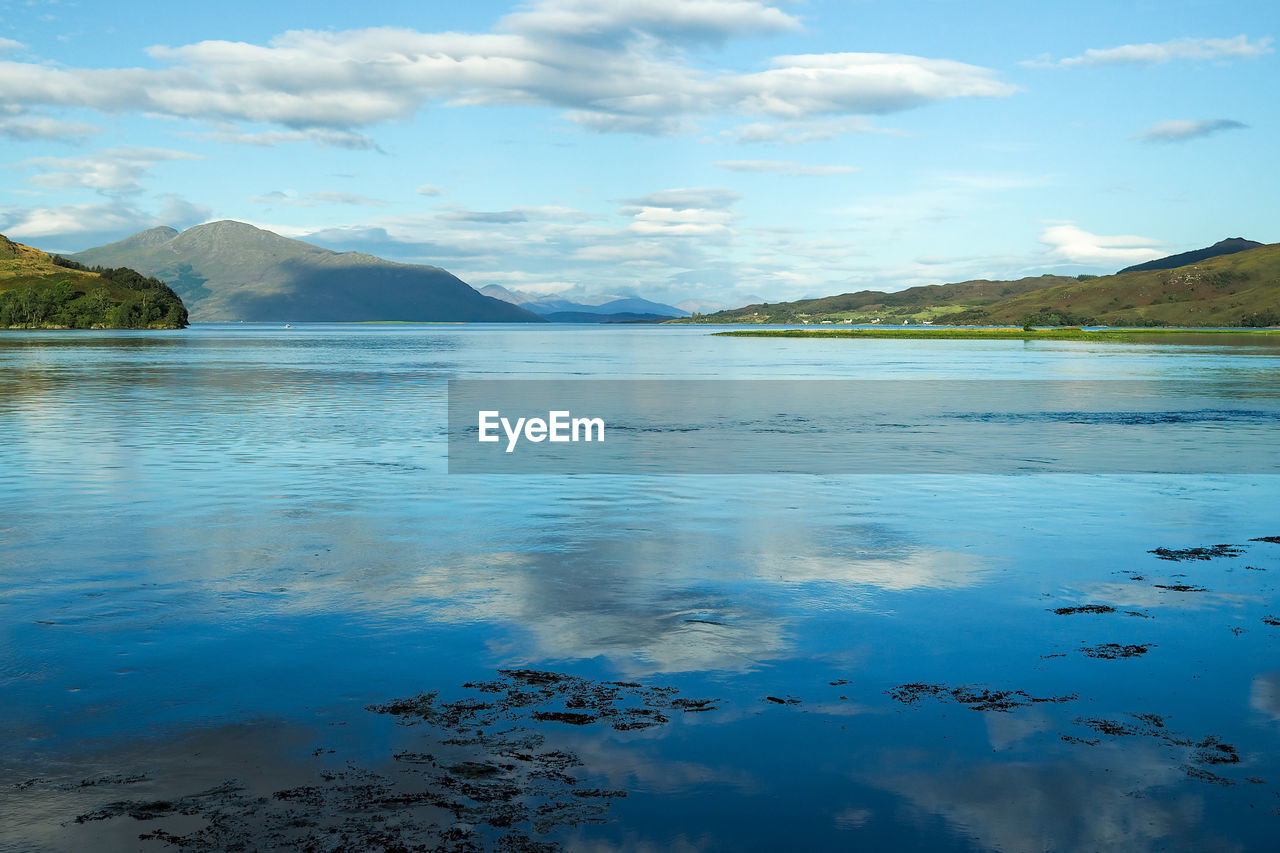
x,y
604,319
233,271
41,291
514,297
1228,246
546,306
1237,289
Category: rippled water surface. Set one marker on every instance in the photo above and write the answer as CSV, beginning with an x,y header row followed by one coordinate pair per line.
x,y
243,602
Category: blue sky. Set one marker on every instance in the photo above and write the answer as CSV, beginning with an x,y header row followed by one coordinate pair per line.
x,y
718,151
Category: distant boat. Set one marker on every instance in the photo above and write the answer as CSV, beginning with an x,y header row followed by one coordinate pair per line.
x,y
288,325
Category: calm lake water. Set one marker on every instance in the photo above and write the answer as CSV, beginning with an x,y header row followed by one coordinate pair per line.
x,y
243,602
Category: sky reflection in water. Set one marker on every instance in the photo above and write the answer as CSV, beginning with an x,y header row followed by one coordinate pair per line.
x,y
228,542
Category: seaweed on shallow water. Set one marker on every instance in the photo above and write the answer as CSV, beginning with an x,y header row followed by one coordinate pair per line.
x,y
487,783
1209,553
1113,651
976,698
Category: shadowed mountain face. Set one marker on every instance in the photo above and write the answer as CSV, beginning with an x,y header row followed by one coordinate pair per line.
x,y
234,271
1229,246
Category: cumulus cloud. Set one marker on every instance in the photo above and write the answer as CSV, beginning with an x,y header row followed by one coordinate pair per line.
x,y
677,20
93,224
693,197
611,66
783,167
1239,47
179,213
800,132
111,171
860,83
1075,244
1181,131
28,128
269,139
9,45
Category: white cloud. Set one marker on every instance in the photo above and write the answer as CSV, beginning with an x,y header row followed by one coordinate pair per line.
x,y
1239,47
269,139
1181,131
783,167
677,20
690,222
347,198
179,213
855,83
9,45
1075,244
27,128
113,170
321,85
693,197
800,132
72,219
430,190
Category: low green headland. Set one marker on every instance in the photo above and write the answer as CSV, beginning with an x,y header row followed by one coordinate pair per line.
x,y
42,291
1240,289
1003,334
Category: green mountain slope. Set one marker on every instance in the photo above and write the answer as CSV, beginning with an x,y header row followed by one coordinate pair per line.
x,y
38,291
233,271
864,306
1237,289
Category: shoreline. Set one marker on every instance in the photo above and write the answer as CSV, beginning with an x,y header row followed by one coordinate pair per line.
x,y
998,333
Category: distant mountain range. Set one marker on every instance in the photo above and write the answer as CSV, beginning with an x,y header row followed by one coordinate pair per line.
x,y
1235,282
233,271
629,310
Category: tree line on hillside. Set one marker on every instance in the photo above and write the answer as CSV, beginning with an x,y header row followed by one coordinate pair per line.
x,y
139,302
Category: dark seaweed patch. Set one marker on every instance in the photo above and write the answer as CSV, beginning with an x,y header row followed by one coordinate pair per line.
x,y
486,783
1113,651
1180,587
976,698
1272,539
1208,553
1084,608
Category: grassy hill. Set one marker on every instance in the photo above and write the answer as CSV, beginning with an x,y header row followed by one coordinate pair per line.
x,y
38,291
914,304
233,271
1239,289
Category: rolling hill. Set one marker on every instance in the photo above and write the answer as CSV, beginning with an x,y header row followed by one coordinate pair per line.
x,y
865,306
39,291
1238,288
233,271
